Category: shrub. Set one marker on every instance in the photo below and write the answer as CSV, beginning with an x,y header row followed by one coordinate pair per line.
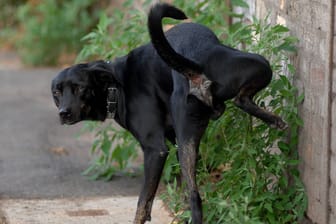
x,y
247,172
8,22
52,28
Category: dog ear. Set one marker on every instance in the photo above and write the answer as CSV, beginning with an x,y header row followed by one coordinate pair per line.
x,y
102,73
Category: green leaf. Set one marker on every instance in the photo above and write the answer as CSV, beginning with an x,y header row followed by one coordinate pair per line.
x,y
90,169
128,3
104,22
300,98
283,146
280,29
239,3
299,121
106,146
293,162
269,208
285,47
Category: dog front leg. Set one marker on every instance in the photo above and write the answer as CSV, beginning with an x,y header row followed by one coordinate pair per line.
x,y
154,161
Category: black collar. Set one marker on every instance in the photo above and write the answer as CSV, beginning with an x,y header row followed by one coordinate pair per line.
x,y
112,102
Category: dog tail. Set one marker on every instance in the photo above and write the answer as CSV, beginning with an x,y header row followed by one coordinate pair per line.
x,y
164,49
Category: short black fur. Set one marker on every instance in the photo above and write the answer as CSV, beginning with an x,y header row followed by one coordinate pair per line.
x,y
155,101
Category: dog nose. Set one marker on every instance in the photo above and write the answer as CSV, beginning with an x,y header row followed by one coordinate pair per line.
x,y
65,112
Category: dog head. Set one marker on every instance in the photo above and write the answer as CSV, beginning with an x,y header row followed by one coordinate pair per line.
x,y
80,91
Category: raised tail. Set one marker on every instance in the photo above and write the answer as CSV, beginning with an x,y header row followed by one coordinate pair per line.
x,y
167,53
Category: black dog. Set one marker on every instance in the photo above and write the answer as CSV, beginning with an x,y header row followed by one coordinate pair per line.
x,y
155,102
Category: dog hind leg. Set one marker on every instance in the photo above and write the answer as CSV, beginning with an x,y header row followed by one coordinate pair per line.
x,y
244,100
188,157
191,119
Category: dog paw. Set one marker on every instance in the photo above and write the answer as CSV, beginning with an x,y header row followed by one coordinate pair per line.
x,y
279,124
148,217
215,115
217,111
142,216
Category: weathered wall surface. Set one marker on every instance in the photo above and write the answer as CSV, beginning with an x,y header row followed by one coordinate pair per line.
x,y
332,190
312,22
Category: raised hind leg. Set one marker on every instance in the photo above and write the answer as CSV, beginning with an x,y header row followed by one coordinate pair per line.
x,y
244,100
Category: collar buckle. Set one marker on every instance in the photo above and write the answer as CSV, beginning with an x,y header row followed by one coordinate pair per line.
x,y
112,101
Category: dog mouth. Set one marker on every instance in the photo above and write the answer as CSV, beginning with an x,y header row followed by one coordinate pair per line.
x,y
70,117
67,121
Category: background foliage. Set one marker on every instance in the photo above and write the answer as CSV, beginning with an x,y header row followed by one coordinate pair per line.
x,y
44,31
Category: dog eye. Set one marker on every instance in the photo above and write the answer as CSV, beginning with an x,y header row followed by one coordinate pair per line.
x,y
57,93
80,89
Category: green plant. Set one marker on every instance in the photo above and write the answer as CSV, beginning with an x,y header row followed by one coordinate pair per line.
x,y
108,163
52,28
108,43
247,172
